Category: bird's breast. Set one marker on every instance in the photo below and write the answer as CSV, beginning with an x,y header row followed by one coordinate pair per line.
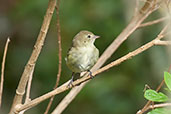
x,y
82,58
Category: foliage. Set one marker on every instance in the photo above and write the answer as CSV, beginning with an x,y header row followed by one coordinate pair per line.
x,y
152,95
155,96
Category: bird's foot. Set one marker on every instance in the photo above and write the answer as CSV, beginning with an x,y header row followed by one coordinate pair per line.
x,y
70,85
90,73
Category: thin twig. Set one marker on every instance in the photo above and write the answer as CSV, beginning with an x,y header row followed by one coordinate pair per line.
x,y
152,22
28,90
156,106
59,55
69,97
59,45
29,68
64,87
2,69
163,42
159,105
27,99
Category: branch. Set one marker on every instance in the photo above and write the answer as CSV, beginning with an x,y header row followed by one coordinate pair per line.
x,y
139,16
29,68
156,106
64,87
2,69
59,55
159,42
66,101
159,105
136,7
27,99
28,89
59,45
152,22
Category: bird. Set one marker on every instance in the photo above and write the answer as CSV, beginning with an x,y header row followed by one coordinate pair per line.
x,y
83,54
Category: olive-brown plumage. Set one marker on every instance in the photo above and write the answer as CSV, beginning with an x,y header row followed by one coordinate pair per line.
x,y
83,54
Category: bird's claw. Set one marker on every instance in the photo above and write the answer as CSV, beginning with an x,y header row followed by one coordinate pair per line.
x,y
70,85
90,73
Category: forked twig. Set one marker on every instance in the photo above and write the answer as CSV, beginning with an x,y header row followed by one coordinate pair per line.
x,y
29,68
152,22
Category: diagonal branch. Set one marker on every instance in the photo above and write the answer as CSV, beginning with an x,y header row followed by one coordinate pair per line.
x,y
153,22
29,68
81,81
156,106
159,105
2,69
159,42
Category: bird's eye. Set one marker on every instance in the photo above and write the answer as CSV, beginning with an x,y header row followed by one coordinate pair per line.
x,y
89,36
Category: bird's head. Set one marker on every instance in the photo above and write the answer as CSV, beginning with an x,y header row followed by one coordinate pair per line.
x,y
84,38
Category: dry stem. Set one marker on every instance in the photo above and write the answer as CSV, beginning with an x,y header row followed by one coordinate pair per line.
x,y
156,106
163,43
29,68
3,68
159,105
59,55
28,90
152,22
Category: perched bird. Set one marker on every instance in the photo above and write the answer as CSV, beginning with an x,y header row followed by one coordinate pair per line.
x,y
83,54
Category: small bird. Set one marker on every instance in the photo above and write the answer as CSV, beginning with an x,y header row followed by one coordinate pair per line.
x,y
83,54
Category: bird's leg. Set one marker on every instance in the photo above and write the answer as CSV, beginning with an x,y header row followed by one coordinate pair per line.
x,y
90,73
70,82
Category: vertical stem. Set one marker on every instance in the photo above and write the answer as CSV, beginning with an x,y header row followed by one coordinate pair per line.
x,y
2,69
59,55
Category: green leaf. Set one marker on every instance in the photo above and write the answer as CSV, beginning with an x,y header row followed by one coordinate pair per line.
x,y
152,95
159,111
167,79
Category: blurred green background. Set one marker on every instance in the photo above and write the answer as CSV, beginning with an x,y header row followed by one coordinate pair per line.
x,y
116,91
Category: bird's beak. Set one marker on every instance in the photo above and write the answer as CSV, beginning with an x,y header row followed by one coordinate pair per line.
x,y
95,37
